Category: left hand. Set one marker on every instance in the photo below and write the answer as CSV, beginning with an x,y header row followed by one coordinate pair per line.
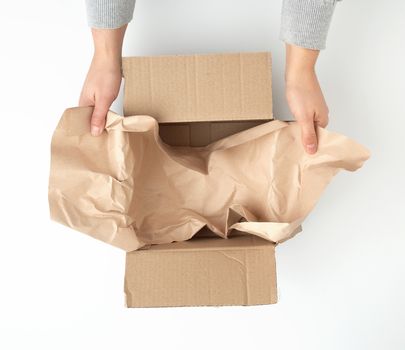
x,y
304,94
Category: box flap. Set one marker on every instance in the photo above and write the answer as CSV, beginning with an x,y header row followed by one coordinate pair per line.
x,y
203,271
207,87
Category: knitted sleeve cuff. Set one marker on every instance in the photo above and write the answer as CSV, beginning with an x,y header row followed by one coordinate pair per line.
x,y
109,14
306,23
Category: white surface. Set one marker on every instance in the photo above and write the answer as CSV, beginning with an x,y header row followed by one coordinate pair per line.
x,y
341,281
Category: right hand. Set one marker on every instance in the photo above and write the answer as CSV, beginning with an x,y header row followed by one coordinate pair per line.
x,y
103,79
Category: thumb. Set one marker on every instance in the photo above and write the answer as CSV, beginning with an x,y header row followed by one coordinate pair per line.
x,y
98,118
308,135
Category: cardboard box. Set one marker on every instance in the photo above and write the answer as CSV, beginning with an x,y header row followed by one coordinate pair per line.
x,y
198,99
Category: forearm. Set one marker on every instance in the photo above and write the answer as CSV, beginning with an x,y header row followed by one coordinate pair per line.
x,y
305,23
109,14
108,44
299,61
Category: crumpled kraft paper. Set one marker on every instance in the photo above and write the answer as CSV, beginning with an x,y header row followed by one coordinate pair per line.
x,y
128,188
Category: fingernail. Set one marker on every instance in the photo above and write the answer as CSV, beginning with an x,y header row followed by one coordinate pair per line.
x,y
311,148
95,130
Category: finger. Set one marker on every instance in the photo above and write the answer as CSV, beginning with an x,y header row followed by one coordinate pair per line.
x,y
322,119
98,117
85,100
308,135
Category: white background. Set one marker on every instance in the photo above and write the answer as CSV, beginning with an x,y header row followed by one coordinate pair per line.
x,y
341,281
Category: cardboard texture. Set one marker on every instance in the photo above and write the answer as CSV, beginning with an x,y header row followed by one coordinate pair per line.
x,y
180,88
240,270
132,190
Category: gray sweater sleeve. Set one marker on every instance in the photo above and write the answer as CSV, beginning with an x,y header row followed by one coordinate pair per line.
x,y
306,23
303,22
109,14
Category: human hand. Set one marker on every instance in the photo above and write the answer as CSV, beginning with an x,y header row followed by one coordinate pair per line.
x,y
103,79
100,89
304,94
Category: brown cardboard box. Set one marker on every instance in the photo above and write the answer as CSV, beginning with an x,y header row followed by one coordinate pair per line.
x,y
198,99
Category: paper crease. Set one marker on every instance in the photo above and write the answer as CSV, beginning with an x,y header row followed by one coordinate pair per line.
x,y
128,188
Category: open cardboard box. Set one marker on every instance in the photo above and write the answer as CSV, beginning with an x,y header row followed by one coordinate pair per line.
x,y
230,166
198,99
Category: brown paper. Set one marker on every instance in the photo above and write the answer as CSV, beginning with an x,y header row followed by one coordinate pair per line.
x,y
129,189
